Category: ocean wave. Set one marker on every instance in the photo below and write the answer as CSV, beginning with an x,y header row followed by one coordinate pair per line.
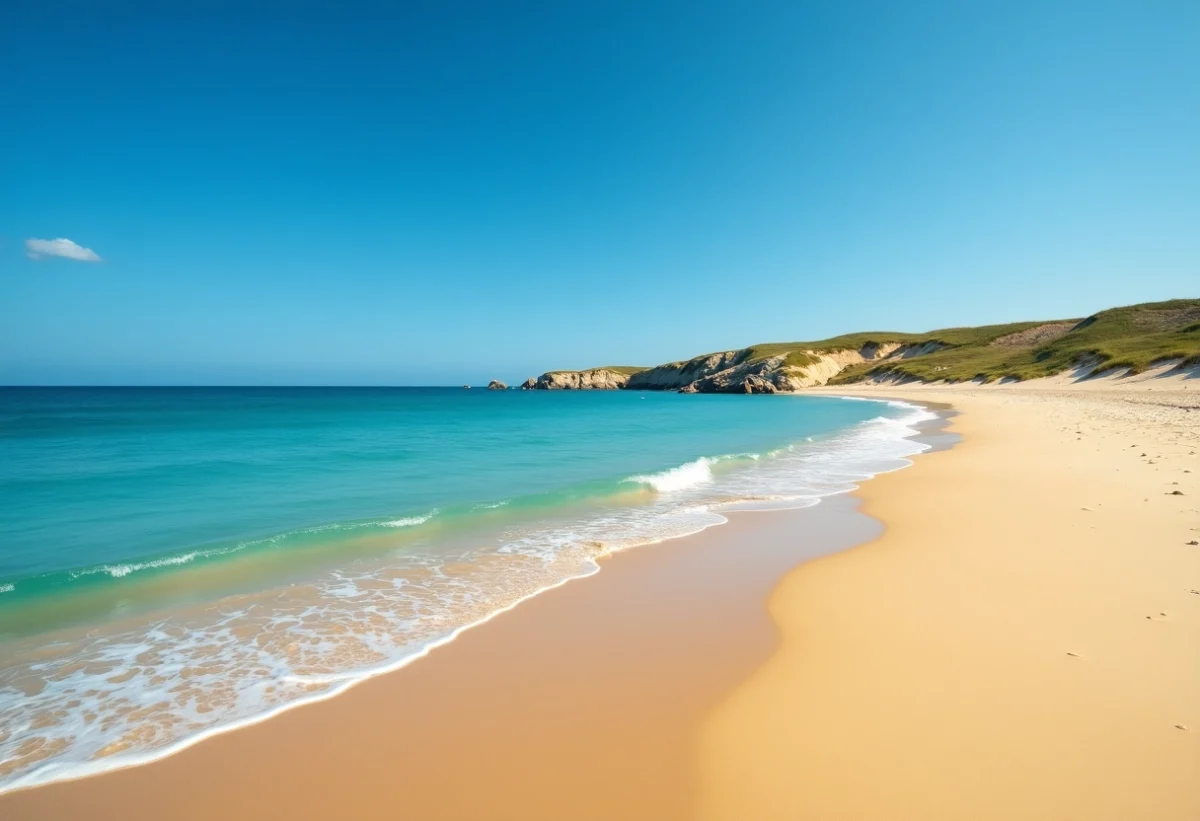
x,y
678,478
7,588
687,475
118,571
122,569
410,521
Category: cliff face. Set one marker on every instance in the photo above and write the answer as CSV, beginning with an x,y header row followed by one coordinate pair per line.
x,y
736,372
676,375
596,379
777,375
762,376
732,371
830,363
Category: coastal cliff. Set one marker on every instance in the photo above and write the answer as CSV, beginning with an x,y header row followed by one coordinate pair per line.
x,y
740,371
748,371
1132,338
594,379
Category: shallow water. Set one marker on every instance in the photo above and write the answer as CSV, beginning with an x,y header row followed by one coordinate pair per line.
x,y
178,561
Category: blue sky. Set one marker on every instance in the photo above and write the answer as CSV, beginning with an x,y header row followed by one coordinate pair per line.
x,y
433,193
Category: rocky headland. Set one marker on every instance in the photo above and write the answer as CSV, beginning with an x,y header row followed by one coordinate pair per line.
x,y
739,371
1131,338
594,379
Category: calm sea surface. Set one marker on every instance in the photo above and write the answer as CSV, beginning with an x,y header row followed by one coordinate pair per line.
x,y
174,562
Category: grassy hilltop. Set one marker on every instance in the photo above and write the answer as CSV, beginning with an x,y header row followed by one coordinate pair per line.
x,y
627,370
1133,338
796,351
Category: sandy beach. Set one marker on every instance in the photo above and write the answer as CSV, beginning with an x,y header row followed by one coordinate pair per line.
x,y
1020,642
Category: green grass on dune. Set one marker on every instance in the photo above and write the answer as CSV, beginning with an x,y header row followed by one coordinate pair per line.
x,y
1133,337
628,370
846,342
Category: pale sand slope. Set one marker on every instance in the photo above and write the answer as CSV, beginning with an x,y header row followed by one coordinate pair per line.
x,y
930,675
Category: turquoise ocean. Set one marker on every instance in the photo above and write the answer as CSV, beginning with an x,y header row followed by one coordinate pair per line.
x,y
176,562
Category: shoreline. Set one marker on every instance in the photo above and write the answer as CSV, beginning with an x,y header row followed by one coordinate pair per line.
x,y
567,699
1005,630
103,769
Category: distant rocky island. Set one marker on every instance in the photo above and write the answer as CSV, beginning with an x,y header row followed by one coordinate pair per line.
x,y
1132,338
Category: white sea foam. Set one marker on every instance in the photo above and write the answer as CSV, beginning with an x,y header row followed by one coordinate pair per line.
x,y
315,639
7,588
118,571
410,521
685,476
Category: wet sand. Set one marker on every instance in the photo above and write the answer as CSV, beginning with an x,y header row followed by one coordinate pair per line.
x,y
582,703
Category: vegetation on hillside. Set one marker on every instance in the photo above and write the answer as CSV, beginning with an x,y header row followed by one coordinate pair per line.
x,y
846,342
628,370
1133,337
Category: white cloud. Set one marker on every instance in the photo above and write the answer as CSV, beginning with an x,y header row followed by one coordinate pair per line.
x,y
38,248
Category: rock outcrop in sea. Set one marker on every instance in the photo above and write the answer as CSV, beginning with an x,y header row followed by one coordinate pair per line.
x,y
595,379
497,385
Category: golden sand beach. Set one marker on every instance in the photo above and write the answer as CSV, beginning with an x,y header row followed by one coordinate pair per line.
x,y
1020,642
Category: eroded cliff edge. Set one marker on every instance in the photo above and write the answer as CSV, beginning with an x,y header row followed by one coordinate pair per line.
x,y
593,379
740,371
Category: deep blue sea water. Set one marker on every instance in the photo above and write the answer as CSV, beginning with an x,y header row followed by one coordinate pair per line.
x,y
176,561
